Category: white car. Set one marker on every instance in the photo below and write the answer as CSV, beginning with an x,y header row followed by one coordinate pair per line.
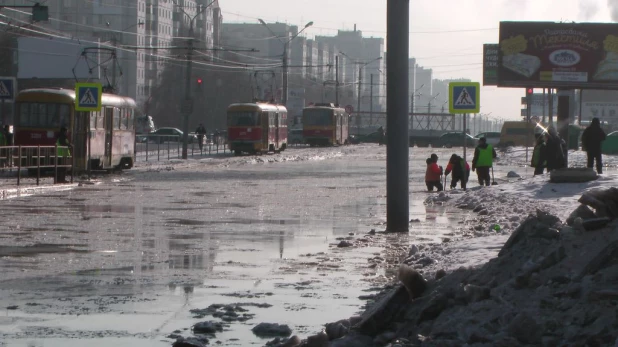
x,y
492,137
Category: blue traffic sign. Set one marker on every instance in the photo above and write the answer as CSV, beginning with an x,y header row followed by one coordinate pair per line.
x,y
88,96
464,97
7,88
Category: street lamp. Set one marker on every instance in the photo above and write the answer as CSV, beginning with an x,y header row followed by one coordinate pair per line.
x,y
415,95
187,105
284,97
444,103
430,100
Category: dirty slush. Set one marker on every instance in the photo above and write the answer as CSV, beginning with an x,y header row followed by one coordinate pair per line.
x,y
552,284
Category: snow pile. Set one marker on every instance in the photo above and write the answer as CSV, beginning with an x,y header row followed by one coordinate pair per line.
x,y
550,285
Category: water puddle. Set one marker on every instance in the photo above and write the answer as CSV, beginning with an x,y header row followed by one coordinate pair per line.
x,y
157,263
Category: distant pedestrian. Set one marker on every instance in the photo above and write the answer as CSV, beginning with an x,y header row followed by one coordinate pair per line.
x,y
200,132
539,156
484,155
3,139
460,169
62,141
554,150
592,138
433,174
8,136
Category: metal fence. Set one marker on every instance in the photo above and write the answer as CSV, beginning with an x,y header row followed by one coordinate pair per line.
x,y
35,159
166,147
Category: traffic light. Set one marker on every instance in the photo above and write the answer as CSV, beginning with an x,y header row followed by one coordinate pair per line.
x,y
199,83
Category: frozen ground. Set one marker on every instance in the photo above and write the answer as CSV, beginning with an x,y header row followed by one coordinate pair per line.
x,y
123,262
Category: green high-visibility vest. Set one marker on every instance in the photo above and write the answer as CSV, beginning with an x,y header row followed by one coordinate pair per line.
x,y
486,157
62,151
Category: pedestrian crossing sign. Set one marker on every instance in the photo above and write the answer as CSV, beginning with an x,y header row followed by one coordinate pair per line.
x,y
88,96
7,88
464,97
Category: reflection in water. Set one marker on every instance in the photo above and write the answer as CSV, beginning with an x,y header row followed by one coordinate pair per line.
x,y
281,233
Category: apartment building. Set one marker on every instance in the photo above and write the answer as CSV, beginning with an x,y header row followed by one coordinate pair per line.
x,y
140,31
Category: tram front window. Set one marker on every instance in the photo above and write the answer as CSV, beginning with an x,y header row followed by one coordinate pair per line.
x,y
242,118
317,117
43,115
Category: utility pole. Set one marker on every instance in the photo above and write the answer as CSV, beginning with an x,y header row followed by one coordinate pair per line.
x,y
337,80
397,149
544,102
284,97
188,102
286,43
371,101
550,92
114,65
187,105
358,102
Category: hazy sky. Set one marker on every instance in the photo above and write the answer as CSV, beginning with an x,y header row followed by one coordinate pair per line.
x,y
446,35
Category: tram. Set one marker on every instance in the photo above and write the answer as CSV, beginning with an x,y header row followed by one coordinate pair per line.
x,y
101,140
257,128
325,125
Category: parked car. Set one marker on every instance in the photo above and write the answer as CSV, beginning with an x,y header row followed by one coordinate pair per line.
x,y
162,135
373,137
610,145
492,137
456,139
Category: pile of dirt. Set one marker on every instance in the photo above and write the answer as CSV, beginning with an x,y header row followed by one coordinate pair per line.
x,y
552,284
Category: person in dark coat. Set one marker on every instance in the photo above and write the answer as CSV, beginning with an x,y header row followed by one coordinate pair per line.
x,y
539,155
460,169
62,140
592,138
554,150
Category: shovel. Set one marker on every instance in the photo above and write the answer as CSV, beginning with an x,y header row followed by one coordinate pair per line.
x,y
493,181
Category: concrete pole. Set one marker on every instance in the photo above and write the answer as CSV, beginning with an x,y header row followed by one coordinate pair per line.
x,y
371,100
544,102
551,106
114,65
358,102
397,186
188,102
284,96
337,80
465,116
562,123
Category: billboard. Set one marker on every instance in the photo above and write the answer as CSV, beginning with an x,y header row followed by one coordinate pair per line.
x,y
45,58
606,111
554,55
490,64
296,102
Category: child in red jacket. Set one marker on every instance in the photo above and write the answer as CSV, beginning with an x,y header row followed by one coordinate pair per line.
x,y
433,174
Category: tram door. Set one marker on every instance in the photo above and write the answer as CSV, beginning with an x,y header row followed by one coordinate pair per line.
x,y
277,125
109,122
80,134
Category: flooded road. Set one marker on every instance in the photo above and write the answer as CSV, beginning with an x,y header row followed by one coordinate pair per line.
x,y
123,263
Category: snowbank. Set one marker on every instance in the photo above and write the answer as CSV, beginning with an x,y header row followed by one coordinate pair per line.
x,y
551,284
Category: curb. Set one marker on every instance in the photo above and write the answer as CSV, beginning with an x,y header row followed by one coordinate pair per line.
x,y
10,193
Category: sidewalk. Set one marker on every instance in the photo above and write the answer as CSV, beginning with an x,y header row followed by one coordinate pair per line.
x,y
9,188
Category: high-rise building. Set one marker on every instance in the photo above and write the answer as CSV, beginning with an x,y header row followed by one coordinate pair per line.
x,y
361,58
140,31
